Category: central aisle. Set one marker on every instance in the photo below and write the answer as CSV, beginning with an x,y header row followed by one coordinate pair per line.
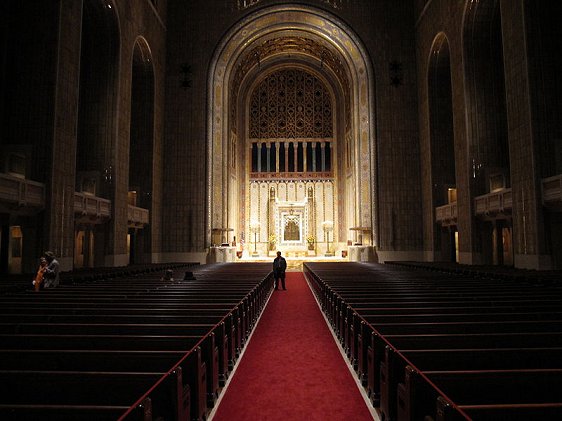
x,y
292,369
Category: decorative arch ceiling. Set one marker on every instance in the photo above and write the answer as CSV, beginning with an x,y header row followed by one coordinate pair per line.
x,y
290,103
287,47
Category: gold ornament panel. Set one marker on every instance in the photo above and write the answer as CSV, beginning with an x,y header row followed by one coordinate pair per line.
x,y
291,103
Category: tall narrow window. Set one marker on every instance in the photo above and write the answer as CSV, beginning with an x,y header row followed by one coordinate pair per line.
x,y
291,157
254,157
282,157
263,153
272,157
300,162
318,156
328,157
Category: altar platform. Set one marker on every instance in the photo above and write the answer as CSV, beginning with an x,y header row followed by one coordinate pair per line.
x,y
294,263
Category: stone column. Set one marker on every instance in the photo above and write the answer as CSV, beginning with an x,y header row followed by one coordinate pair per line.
x,y
304,163
252,155
4,244
268,153
313,156
323,155
529,240
330,149
277,157
59,217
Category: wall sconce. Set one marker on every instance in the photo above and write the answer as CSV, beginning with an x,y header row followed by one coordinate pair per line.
x,y
108,174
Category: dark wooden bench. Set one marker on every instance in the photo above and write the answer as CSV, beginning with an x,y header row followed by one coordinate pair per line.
x,y
378,342
92,395
193,366
370,308
519,394
129,343
393,365
358,326
131,315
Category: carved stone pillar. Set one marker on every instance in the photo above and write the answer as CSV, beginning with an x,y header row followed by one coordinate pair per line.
x,y
277,157
313,156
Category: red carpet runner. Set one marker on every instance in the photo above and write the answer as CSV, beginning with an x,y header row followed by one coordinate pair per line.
x,y
292,368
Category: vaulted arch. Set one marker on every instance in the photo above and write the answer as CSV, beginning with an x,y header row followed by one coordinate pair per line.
x,y
442,142
270,40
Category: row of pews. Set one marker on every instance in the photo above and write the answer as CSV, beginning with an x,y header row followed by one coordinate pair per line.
x,y
433,345
538,277
22,282
130,347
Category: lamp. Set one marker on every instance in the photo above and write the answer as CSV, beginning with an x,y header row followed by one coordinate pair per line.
x,y
328,226
255,227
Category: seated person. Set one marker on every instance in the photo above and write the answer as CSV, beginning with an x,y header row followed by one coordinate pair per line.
x,y
189,276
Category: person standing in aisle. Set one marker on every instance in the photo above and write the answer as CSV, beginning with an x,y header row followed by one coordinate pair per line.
x,y
279,268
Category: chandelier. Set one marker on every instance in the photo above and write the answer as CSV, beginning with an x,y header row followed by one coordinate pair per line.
x,y
244,4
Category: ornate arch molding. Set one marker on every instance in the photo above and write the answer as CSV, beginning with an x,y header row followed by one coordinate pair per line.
x,y
439,46
308,23
141,50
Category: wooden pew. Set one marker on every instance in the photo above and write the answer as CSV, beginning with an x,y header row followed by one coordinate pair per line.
x,y
33,315
457,360
192,364
357,327
518,394
378,341
369,310
92,395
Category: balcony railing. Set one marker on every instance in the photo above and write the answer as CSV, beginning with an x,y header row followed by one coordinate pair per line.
x,y
552,191
447,214
91,209
20,194
494,205
137,217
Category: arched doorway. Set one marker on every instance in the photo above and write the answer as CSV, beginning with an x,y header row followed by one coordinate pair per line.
x,y
261,50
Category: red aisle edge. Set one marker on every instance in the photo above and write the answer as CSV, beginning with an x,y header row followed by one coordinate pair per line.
x,y
292,368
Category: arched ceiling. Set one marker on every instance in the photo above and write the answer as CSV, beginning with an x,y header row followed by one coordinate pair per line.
x,y
283,46
287,47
